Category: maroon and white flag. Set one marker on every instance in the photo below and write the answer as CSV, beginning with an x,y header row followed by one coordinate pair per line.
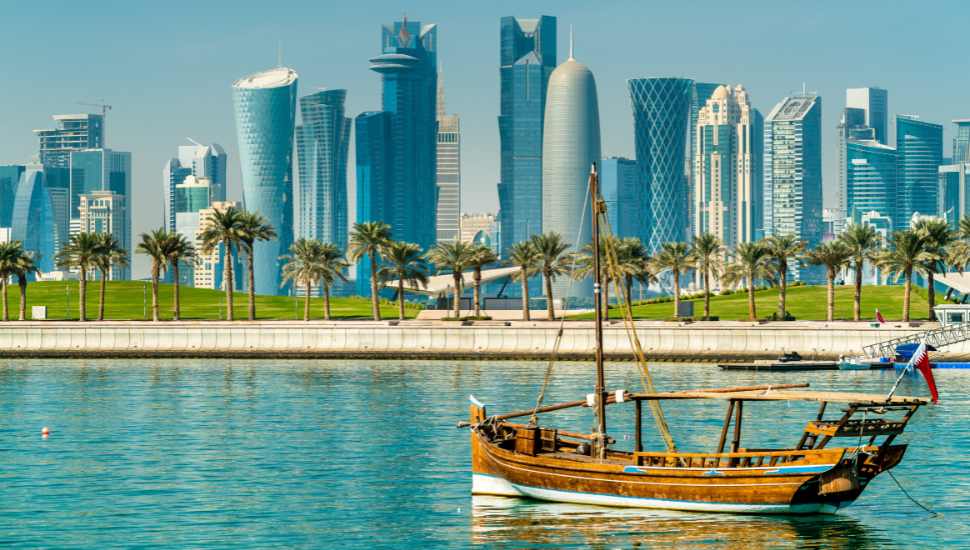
x,y
921,360
879,316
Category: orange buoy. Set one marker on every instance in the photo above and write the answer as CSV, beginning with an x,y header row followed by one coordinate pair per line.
x,y
45,431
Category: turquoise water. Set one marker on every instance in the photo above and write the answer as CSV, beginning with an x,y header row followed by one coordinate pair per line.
x,y
364,454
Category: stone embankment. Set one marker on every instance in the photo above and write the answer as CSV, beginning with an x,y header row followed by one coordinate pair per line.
x,y
501,340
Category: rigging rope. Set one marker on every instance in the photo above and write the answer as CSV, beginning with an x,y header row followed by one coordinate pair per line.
x,y
533,421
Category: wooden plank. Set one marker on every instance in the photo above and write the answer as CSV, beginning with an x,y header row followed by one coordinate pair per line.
x,y
724,430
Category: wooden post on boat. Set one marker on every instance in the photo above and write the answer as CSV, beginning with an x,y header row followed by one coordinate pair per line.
x,y
600,392
724,430
639,447
736,444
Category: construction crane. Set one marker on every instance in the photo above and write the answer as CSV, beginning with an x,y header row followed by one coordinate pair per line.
x,y
103,106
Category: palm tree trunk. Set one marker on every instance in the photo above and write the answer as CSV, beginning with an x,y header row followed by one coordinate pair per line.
x,y
707,294
628,281
831,274
22,281
857,309
101,298
176,312
931,295
456,277
376,310
477,278
525,297
550,311
782,289
252,283
909,282
326,301
6,313
306,304
227,275
400,298
676,275
82,291
752,312
156,272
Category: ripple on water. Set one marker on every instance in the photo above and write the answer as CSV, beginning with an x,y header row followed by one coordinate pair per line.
x,y
306,454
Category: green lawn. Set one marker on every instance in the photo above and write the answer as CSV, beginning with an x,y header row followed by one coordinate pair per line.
x,y
124,299
804,302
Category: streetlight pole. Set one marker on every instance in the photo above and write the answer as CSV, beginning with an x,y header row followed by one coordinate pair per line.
x,y
221,288
67,306
296,305
144,303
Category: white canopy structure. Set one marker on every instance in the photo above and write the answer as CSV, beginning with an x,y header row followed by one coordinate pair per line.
x,y
443,285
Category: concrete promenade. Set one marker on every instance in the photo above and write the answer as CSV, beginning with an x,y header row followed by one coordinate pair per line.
x,y
709,341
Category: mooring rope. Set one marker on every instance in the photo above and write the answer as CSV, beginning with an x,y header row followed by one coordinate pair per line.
x,y
909,497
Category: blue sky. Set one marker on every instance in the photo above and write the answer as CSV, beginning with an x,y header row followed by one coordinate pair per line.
x,y
167,67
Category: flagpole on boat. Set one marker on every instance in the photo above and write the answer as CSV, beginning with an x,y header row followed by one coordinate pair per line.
x,y
600,392
922,347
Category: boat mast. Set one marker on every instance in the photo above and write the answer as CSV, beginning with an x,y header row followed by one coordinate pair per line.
x,y
600,392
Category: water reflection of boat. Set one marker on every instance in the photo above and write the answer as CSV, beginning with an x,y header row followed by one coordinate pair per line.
x,y
539,462
509,522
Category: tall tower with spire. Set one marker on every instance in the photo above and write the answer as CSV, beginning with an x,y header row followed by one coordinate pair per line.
x,y
449,170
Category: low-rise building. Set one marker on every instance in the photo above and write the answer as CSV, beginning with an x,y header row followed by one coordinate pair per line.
x,y
209,268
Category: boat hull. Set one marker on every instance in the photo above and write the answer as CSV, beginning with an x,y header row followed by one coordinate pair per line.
x,y
790,489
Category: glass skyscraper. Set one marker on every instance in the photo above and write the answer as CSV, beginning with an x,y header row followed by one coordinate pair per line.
x,y
265,107
870,178
102,170
527,59
396,155
661,115
793,134
618,185
920,149
874,102
448,171
323,141
961,143
9,179
201,161
73,133
34,220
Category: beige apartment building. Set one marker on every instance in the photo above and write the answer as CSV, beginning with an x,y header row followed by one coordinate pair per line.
x,y
471,224
104,212
209,267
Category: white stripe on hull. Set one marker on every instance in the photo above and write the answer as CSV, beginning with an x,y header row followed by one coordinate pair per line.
x,y
490,485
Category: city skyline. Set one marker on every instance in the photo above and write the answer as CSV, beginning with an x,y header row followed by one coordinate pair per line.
x,y
174,110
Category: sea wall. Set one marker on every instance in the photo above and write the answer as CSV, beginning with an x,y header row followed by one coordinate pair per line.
x,y
660,341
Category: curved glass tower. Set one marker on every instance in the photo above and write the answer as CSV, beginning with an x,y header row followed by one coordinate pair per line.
x,y
265,106
661,111
570,145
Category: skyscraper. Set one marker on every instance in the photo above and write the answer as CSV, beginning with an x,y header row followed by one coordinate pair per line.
x,y
527,59
871,184
323,141
875,103
396,148
794,136
265,108
73,133
920,149
570,145
103,170
33,219
851,126
449,170
725,168
104,212
618,185
661,115
9,179
961,143
699,95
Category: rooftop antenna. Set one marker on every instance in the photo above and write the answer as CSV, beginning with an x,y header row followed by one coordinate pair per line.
x,y
571,41
195,142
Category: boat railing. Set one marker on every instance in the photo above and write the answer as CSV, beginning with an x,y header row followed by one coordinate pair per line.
x,y
751,459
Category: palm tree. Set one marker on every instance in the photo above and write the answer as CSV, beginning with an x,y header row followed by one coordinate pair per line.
x,y
523,255
179,250
225,228
9,254
863,240
481,256
404,262
908,251
938,237
750,262
25,266
782,250
958,253
332,265
677,259
370,239
551,249
79,252
110,253
457,257
303,266
709,252
155,246
584,265
834,256
255,228
636,256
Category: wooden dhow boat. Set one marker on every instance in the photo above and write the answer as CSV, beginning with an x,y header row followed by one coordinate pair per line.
x,y
810,477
